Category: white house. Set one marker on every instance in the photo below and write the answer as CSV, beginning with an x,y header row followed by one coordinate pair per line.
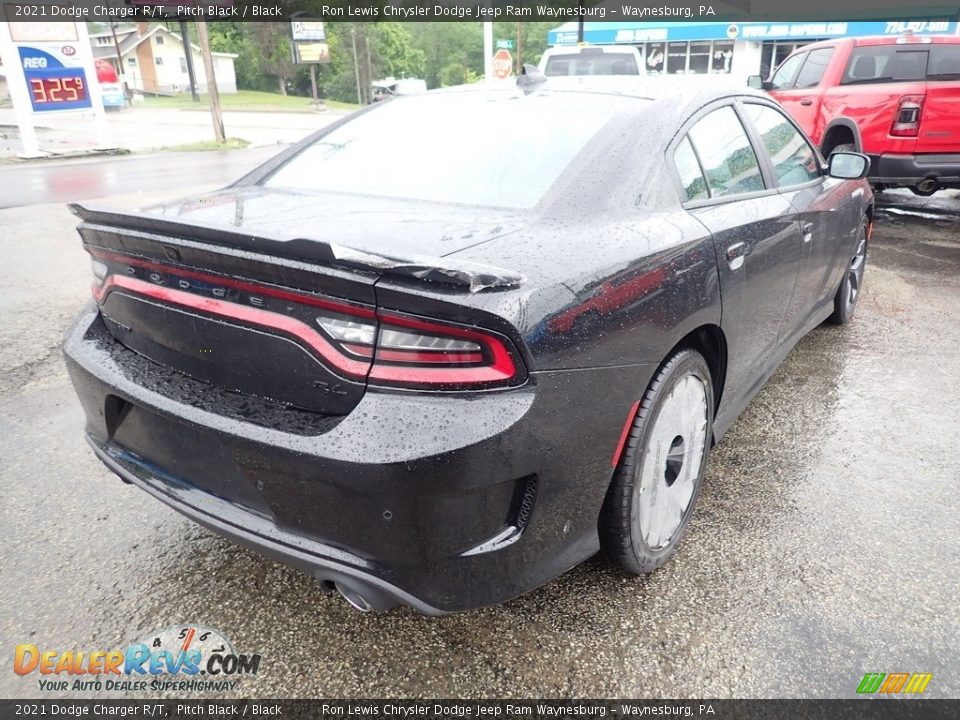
x,y
153,59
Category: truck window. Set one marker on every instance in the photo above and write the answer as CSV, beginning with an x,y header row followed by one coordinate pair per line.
x,y
783,77
812,71
884,63
944,62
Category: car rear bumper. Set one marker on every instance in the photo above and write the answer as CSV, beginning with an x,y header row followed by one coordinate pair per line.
x,y
911,169
440,503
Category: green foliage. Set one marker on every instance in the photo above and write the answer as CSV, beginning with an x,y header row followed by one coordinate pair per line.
x,y
442,53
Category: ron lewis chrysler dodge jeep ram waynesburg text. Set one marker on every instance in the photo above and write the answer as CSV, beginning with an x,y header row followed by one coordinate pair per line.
x,y
432,372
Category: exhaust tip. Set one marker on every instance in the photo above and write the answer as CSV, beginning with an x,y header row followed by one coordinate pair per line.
x,y
354,598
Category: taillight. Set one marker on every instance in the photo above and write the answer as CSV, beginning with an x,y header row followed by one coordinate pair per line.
x,y
385,347
906,123
414,352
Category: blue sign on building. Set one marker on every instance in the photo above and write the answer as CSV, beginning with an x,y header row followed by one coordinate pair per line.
x,y
638,32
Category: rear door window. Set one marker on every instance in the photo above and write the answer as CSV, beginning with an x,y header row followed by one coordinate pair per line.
x,y
728,159
812,71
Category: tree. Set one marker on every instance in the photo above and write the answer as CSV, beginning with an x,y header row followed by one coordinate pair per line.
x,y
273,44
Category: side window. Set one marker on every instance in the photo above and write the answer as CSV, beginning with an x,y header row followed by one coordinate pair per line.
x,y
688,168
812,71
728,158
794,160
783,77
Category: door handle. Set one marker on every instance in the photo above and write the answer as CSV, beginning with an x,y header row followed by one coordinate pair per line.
x,y
807,229
735,255
807,103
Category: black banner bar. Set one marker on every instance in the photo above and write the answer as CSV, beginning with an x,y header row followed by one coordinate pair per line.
x,y
560,11
873,709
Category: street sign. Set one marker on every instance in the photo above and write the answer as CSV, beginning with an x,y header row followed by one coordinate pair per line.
x,y
505,44
502,63
307,30
311,52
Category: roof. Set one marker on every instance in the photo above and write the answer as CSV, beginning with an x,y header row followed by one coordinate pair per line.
x,y
131,40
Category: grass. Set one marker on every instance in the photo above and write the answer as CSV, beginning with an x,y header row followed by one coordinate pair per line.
x,y
230,144
244,100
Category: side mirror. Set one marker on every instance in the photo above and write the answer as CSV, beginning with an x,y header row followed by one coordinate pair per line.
x,y
755,81
848,165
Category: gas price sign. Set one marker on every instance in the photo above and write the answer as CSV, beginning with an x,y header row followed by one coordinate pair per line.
x,y
52,81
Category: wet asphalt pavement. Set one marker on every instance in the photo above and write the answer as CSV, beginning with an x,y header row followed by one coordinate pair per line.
x,y
826,543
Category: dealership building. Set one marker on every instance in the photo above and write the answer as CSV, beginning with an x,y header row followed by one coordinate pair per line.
x,y
745,48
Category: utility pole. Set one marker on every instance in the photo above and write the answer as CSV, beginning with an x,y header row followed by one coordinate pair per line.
x,y
488,50
356,65
580,28
519,48
121,71
188,51
212,90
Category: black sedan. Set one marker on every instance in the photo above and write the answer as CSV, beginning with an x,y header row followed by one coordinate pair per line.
x,y
451,346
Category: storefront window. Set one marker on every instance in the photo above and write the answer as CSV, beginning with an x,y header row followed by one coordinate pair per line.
x,y
676,58
654,57
699,57
722,58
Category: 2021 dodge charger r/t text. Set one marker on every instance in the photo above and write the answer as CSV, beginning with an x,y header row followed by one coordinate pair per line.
x,y
437,368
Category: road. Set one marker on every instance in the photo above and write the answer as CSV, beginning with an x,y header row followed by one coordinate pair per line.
x,y
65,181
141,129
826,543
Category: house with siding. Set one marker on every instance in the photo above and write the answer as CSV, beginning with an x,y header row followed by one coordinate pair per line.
x,y
152,58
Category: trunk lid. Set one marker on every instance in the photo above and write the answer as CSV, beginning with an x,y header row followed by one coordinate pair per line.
x,y
239,288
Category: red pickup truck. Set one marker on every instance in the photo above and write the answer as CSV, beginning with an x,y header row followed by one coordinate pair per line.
x,y
896,100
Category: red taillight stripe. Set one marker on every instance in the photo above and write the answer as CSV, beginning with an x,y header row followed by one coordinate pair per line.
x,y
501,369
626,433
254,316
280,294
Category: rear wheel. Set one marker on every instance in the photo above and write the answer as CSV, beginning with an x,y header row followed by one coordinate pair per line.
x,y
842,147
845,301
658,479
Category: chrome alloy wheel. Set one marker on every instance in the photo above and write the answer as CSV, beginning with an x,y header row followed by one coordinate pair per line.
x,y
667,477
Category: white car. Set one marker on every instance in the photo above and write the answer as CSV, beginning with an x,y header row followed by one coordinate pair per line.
x,y
591,60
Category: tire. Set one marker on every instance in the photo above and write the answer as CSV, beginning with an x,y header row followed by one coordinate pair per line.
x,y
845,301
634,531
843,147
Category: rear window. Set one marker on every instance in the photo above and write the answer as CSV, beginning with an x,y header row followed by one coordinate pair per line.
x,y
944,62
469,148
591,64
899,63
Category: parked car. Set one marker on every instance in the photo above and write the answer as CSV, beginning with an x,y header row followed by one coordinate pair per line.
x,y
392,87
384,379
591,60
894,99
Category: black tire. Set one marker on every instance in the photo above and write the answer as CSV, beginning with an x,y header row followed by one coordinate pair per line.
x,y
623,529
843,147
845,301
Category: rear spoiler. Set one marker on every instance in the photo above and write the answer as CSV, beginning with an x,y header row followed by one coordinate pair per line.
x,y
471,276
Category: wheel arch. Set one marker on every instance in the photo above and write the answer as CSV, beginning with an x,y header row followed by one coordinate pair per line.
x,y
837,129
711,343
